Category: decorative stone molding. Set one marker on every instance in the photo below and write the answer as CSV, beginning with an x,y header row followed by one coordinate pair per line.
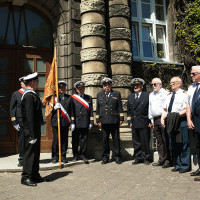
x,y
92,54
121,57
119,10
120,33
92,5
93,79
92,17
121,80
124,105
93,30
117,2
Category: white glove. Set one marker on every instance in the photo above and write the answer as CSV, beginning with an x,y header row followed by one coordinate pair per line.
x,y
72,127
17,127
33,141
90,126
57,106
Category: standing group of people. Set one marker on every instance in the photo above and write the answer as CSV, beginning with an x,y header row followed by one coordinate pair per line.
x,y
169,114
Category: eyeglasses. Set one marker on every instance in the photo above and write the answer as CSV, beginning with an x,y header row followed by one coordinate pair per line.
x,y
194,73
154,84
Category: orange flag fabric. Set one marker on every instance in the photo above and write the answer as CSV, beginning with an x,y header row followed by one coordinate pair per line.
x,y
50,89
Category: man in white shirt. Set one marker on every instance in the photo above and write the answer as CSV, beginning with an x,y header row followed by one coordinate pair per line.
x,y
193,110
176,126
156,108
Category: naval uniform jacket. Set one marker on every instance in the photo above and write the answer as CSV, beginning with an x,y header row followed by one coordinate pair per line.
x,y
15,108
32,114
82,117
109,109
137,110
65,102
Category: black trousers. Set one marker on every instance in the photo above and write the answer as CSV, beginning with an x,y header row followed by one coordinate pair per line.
x,y
141,140
64,141
82,135
21,144
114,130
31,156
162,142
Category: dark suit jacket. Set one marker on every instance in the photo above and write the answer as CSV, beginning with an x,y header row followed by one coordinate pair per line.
x,y
81,117
65,102
196,116
109,110
137,111
15,108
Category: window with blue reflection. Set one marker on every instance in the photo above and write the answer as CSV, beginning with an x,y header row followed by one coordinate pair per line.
x,y
134,8
146,9
147,46
134,41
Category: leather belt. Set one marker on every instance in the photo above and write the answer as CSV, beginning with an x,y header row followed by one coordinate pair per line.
x,y
158,117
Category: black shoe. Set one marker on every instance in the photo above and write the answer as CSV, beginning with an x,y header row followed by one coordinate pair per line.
x,y
20,164
184,170
64,160
157,164
85,160
118,160
196,173
146,162
28,182
137,161
105,161
175,169
54,161
166,165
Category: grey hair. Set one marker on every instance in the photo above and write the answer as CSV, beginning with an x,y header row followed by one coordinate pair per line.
x,y
157,80
196,67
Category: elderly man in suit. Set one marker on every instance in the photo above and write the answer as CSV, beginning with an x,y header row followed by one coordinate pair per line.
x,y
109,116
193,111
137,116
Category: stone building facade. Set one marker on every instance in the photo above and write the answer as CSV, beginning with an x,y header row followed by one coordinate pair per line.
x,y
94,39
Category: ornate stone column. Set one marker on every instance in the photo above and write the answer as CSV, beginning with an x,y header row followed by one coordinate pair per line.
x,y
93,53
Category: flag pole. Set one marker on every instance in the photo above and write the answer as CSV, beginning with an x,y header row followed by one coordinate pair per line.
x,y
58,110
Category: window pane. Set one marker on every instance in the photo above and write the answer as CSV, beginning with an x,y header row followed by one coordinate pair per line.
x,y
146,1
4,80
159,13
133,9
147,49
3,96
4,129
4,64
3,112
41,66
146,33
28,65
160,51
10,35
3,15
22,34
134,42
159,35
41,81
146,11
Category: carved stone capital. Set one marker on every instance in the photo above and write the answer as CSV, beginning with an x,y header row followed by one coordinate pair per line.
x,y
120,33
119,10
92,5
124,105
92,54
121,80
121,57
93,30
93,79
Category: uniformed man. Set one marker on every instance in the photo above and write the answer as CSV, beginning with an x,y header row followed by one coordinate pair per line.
x,y
156,108
16,118
82,120
176,126
193,111
137,116
64,105
109,116
31,107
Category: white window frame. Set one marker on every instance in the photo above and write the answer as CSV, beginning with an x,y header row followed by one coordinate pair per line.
x,y
139,21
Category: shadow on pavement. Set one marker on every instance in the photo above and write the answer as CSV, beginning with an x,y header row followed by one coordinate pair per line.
x,y
57,175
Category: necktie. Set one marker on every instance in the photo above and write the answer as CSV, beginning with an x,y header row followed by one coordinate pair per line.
x,y
195,97
171,102
136,96
107,94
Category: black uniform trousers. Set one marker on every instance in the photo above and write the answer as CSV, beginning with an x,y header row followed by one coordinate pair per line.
x,y
81,133
162,142
21,145
114,130
31,157
141,143
64,141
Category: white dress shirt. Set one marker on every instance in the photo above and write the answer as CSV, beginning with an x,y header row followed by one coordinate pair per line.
x,y
156,103
190,93
179,103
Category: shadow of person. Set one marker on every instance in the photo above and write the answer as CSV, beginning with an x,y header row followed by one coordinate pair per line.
x,y
54,176
45,161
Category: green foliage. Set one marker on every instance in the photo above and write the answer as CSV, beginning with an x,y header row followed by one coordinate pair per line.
x,y
188,29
